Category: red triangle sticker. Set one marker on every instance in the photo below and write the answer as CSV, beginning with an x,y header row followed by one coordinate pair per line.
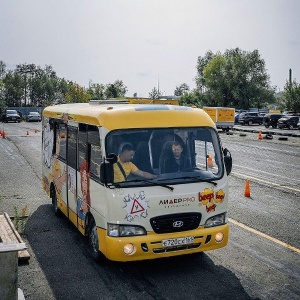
x,y
136,207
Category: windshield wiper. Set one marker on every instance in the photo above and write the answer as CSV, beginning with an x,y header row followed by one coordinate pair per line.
x,y
196,179
153,183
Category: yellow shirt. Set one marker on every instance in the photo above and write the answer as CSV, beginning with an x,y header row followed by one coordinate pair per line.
x,y
128,168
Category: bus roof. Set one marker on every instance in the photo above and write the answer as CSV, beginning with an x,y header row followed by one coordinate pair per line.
x,y
120,115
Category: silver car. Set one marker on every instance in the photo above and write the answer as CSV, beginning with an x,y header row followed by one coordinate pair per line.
x,y
33,116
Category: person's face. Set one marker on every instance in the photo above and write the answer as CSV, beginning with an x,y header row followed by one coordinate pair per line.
x,y
177,150
127,155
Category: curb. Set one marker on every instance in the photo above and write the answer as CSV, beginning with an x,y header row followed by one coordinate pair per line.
x,y
273,132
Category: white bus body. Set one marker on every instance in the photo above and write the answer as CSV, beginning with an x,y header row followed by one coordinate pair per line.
x,y
174,213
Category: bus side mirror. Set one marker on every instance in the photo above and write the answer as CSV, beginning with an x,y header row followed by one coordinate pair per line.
x,y
112,158
107,169
227,161
106,173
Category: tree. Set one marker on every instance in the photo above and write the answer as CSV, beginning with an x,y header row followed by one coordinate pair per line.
x,y
76,94
96,91
2,87
2,100
181,90
193,98
13,89
236,78
155,94
43,87
291,96
115,90
26,70
2,69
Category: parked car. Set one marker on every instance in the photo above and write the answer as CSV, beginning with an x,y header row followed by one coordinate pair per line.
x,y
33,116
11,115
271,120
250,118
288,122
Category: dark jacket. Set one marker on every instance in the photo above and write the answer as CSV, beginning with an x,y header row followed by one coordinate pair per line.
x,y
170,165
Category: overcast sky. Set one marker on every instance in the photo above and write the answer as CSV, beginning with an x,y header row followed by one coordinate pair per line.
x,y
143,41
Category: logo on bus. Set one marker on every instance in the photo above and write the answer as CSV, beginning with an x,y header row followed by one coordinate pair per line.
x,y
210,198
177,224
136,206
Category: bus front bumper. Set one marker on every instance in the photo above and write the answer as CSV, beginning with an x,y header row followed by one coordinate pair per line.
x,y
154,245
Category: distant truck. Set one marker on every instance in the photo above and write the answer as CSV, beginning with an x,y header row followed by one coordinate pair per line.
x,y
222,116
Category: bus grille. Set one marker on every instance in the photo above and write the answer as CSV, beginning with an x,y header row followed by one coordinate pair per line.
x,y
175,222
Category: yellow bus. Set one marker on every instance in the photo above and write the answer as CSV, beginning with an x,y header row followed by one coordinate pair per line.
x,y
141,181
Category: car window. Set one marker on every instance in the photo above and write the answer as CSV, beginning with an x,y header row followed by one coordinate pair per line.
x,y
12,112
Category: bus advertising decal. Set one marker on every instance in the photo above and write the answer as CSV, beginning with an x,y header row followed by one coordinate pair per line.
x,y
176,202
209,198
135,206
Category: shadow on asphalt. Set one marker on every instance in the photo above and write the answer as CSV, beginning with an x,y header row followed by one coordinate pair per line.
x,y
62,253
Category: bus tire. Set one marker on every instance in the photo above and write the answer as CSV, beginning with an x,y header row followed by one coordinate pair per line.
x,y
94,242
57,211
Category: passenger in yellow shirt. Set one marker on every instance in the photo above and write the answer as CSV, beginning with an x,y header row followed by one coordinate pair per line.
x,y
124,167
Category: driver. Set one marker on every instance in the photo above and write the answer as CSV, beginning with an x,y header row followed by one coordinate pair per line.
x,y
124,167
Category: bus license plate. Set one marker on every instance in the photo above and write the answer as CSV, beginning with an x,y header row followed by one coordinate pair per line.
x,y
178,241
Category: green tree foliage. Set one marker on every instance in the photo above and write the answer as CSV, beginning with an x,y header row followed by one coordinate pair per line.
x,y
193,98
13,89
236,78
96,91
2,87
2,69
181,90
31,85
155,94
76,94
115,90
291,96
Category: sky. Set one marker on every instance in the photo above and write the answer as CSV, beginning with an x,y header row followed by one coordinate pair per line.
x,y
147,43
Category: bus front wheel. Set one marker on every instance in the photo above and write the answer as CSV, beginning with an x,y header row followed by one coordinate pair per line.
x,y
94,242
54,202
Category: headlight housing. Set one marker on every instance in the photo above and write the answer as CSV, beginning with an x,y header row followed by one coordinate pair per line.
x,y
117,230
216,220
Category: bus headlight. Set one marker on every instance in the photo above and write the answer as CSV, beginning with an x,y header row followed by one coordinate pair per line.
x,y
216,220
124,230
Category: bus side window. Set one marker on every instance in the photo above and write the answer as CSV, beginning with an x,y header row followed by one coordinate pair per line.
x,y
82,145
95,151
95,160
60,144
63,141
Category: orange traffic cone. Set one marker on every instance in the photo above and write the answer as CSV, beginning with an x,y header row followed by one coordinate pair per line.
x,y
27,132
247,188
35,130
260,137
210,161
3,134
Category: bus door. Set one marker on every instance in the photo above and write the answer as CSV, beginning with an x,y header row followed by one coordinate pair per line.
x,y
59,165
72,174
82,171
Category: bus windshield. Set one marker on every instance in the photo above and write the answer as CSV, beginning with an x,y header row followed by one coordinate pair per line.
x,y
172,155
